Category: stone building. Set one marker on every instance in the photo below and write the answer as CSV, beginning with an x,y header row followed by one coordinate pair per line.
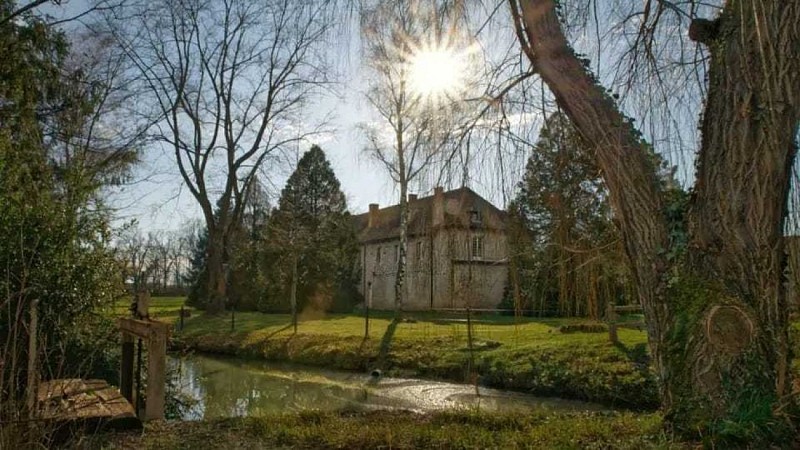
x,y
457,254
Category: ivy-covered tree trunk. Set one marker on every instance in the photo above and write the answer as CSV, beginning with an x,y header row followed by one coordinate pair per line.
x,y
716,313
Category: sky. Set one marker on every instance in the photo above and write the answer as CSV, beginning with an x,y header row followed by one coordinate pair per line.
x,y
157,200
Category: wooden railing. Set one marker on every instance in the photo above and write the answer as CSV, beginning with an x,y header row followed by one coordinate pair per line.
x,y
612,317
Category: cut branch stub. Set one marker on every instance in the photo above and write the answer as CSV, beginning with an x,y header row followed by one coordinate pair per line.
x,y
729,330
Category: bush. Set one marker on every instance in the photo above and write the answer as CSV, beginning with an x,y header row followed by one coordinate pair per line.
x,y
587,327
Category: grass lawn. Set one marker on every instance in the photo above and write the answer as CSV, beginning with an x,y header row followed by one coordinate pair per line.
x,y
166,309
525,354
570,358
404,430
555,357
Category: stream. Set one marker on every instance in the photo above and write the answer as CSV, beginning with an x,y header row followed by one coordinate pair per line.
x,y
230,387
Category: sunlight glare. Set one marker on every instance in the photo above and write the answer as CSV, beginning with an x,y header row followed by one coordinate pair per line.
x,y
436,73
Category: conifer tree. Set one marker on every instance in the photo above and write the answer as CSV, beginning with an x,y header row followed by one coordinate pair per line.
x,y
572,262
313,238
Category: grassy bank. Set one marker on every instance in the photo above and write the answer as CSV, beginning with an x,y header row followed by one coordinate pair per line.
x,y
401,430
543,356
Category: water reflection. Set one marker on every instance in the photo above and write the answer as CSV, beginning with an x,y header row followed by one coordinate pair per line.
x,y
227,387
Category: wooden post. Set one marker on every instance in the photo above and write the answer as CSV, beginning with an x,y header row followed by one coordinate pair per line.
x,y
126,368
156,372
33,370
155,334
293,298
469,340
137,391
611,317
366,309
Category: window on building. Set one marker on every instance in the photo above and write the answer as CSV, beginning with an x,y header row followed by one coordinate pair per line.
x,y
396,254
475,216
419,251
378,256
477,247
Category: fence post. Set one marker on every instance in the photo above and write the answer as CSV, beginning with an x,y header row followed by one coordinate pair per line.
x,y
611,317
469,341
33,353
126,367
156,373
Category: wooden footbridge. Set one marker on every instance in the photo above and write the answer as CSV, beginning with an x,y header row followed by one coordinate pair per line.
x,y
94,404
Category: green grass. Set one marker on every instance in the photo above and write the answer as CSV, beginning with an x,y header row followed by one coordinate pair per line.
x,y
404,430
166,309
524,354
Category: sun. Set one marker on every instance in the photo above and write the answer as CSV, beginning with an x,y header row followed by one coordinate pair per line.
x,y
436,72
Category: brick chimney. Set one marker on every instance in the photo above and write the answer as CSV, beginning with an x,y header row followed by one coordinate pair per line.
x,y
372,218
412,198
438,206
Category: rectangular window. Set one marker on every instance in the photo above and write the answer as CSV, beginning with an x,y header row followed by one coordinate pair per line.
x,y
396,254
475,216
477,247
419,251
378,256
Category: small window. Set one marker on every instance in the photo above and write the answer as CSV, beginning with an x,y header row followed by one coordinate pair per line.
x,y
477,247
397,254
419,251
378,256
475,216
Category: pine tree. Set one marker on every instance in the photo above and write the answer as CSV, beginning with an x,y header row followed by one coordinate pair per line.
x,y
247,280
195,276
313,239
570,261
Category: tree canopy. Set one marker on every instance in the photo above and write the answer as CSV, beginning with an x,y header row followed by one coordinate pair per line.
x,y
312,225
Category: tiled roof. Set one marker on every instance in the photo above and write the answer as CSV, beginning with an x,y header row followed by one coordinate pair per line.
x,y
387,225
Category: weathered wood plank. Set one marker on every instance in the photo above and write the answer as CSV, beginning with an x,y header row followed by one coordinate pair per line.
x,y
84,403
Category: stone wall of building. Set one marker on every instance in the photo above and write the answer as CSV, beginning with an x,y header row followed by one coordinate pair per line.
x,y
456,278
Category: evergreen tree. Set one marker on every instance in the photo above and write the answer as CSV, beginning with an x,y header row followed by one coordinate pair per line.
x,y
249,265
312,239
195,276
54,229
568,258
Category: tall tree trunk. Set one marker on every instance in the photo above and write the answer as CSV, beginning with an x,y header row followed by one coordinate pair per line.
x,y
736,357
293,293
215,266
716,317
399,285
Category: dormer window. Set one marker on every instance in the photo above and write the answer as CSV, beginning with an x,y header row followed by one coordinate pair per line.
x,y
475,216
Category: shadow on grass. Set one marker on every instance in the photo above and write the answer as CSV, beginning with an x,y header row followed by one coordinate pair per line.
x,y
386,343
637,354
278,331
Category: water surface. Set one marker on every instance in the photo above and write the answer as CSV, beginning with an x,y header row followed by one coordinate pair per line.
x,y
228,387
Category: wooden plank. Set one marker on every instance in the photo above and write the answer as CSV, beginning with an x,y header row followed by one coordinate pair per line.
x,y
138,328
142,328
126,367
85,402
156,375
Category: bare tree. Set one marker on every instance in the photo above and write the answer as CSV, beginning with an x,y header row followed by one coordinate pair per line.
x,y
413,131
227,81
715,302
135,254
